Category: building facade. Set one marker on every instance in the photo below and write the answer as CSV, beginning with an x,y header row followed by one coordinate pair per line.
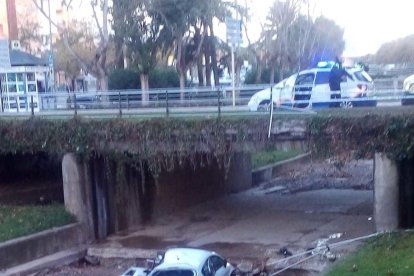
x,y
22,83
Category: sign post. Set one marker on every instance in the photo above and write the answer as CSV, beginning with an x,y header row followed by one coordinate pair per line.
x,y
234,38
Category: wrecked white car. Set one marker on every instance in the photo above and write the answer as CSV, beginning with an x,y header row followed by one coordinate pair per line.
x,y
185,262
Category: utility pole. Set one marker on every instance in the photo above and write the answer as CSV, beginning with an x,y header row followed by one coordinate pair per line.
x,y
234,38
50,58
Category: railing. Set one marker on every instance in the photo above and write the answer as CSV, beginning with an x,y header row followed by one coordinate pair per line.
x,y
167,101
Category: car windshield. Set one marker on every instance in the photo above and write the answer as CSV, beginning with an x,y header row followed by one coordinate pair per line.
x,y
174,272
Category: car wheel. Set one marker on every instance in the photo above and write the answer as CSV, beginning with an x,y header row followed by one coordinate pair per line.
x,y
347,104
264,106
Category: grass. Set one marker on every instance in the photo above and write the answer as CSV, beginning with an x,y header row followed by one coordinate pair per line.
x,y
389,254
18,221
264,158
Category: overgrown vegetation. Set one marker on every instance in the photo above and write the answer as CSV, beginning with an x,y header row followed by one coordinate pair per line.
x,y
263,158
166,143
121,79
389,254
17,221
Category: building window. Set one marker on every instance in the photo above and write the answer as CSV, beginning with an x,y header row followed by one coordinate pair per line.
x,y
12,88
11,77
31,77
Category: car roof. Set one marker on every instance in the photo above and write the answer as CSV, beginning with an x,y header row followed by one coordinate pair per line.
x,y
315,70
185,256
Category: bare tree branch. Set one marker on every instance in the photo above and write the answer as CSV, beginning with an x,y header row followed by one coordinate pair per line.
x,y
45,14
97,21
64,33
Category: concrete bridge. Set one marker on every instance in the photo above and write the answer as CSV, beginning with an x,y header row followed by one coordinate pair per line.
x,y
117,174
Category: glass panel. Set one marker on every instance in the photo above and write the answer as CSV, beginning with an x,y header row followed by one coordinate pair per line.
x,y
22,88
30,77
23,102
306,79
12,88
322,78
11,77
31,87
21,77
3,77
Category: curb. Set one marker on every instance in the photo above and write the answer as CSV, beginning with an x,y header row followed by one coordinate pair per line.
x,y
55,260
122,253
267,173
25,249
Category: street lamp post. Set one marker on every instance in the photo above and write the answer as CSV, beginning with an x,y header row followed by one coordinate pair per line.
x,y
50,56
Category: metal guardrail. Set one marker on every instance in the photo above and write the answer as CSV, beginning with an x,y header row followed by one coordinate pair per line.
x,y
165,101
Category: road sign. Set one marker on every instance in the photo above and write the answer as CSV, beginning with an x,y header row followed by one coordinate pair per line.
x,y
234,31
4,54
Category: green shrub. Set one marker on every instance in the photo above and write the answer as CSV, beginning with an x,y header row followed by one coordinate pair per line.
x,y
265,77
125,79
122,79
164,77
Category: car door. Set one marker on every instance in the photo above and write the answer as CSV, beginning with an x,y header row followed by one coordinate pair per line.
x,y
220,266
303,89
286,93
321,93
348,85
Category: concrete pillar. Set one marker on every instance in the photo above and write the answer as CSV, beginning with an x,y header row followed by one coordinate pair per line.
x,y
239,176
77,191
386,193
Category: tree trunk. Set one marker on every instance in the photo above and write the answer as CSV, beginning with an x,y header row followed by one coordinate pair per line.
x,y
198,41
259,69
200,71
119,54
102,80
213,54
272,73
281,68
207,60
118,37
182,84
144,89
181,65
237,80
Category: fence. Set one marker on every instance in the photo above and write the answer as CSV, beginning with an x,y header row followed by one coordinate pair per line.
x,y
190,100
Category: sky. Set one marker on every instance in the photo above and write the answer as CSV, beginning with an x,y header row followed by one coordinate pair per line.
x,y
367,23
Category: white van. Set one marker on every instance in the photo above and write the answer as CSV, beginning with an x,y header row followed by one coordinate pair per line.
x,y
310,88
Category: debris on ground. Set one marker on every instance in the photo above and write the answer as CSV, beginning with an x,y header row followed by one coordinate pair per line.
x,y
90,260
285,252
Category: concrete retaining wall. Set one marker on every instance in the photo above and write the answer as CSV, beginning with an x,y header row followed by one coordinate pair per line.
x,y
28,248
269,172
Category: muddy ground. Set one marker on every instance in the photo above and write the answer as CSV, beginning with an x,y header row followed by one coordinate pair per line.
x,y
310,203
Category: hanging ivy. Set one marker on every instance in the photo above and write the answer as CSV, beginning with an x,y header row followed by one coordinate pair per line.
x,y
167,143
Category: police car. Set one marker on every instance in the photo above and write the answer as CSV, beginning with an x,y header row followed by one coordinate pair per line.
x,y
310,89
